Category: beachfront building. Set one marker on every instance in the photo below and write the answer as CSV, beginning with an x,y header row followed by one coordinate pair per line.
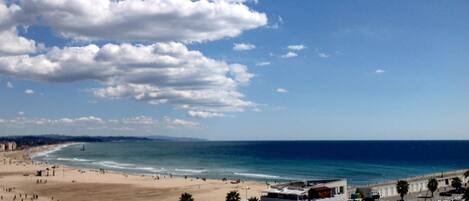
x,y
416,184
321,190
7,146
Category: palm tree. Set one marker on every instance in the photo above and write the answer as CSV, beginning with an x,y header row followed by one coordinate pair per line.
x,y
432,185
186,197
456,183
233,196
402,188
253,199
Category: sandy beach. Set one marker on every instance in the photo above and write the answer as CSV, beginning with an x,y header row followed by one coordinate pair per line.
x,y
18,179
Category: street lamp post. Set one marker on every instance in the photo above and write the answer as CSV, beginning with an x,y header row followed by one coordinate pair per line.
x,y
246,188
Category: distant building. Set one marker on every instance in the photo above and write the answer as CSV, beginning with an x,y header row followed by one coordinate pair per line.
x,y
416,184
7,146
320,190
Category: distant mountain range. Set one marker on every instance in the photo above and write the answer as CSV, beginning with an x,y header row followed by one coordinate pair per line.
x,y
35,140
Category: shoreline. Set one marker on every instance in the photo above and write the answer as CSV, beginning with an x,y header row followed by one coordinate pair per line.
x,y
143,170
138,169
76,184
56,147
69,182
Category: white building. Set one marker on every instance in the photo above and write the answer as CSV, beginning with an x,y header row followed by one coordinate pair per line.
x,y
416,184
321,190
7,146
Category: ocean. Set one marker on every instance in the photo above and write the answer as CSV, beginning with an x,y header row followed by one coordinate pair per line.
x,y
360,162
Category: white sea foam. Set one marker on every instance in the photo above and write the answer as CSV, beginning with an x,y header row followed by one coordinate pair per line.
x,y
128,166
113,164
73,159
50,151
150,169
254,175
196,171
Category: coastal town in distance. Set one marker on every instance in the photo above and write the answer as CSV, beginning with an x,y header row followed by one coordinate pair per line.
x,y
234,100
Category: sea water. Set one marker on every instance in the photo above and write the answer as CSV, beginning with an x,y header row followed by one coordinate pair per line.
x,y
361,162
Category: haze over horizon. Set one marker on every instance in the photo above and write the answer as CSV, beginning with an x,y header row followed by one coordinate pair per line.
x,y
236,69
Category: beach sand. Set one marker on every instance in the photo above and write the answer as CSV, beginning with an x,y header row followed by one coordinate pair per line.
x,y
17,172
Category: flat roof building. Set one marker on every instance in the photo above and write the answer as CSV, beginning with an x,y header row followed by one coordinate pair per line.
x,y
324,190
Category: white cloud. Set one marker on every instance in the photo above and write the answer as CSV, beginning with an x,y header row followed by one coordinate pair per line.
x,y
379,71
204,114
243,46
95,123
177,123
21,113
240,73
11,43
263,63
81,120
9,85
323,55
29,92
158,73
282,90
136,20
289,55
296,47
140,120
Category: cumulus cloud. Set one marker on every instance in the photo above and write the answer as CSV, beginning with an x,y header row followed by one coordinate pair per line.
x,y
136,20
157,73
296,47
6,15
29,92
243,46
11,43
263,63
162,72
281,90
289,55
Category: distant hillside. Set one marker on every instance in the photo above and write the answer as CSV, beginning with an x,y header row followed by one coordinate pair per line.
x,y
35,140
168,138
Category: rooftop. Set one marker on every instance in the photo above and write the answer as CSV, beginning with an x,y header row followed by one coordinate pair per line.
x,y
299,187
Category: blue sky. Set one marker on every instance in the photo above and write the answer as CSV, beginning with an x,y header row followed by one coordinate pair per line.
x,y
354,70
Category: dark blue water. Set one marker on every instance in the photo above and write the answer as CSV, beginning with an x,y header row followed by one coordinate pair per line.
x,y
361,162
